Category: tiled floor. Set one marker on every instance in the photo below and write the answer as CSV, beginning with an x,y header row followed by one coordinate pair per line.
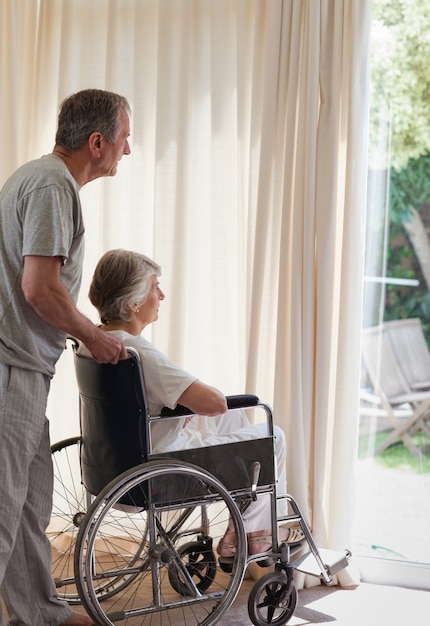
x,y
366,605
371,605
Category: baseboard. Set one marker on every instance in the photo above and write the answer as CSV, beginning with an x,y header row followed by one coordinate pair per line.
x,y
393,572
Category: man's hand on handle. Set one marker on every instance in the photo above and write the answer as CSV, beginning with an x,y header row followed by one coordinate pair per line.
x,y
107,348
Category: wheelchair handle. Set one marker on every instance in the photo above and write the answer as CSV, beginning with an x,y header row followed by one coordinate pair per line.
x,y
256,467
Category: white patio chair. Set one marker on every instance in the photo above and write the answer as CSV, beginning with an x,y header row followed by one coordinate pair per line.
x,y
392,388
409,344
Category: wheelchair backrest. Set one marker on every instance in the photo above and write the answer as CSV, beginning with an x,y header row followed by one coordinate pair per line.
x,y
114,420
113,411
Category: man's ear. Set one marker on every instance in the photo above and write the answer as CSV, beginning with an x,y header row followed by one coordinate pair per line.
x,y
95,143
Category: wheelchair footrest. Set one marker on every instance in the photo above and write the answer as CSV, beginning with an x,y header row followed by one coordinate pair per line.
x,y
334,561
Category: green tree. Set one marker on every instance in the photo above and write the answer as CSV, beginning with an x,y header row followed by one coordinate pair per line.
x,y
400,127
400,78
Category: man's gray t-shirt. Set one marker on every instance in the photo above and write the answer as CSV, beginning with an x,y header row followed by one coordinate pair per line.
x,y
40,214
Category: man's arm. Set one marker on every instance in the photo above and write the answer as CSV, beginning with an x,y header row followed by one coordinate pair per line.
x,y
44,291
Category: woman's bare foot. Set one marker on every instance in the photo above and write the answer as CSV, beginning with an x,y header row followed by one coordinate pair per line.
x,y
77,619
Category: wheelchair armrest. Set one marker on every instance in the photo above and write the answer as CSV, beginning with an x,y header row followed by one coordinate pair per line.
x,y
241,401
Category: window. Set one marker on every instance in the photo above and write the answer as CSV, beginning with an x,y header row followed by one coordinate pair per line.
x,y
393,504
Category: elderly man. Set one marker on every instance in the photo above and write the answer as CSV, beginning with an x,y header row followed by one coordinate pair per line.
x,y
41,251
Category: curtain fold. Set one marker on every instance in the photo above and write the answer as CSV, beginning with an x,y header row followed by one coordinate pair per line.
x,y
246,183
340,202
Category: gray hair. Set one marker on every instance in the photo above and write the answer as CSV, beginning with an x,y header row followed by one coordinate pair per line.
x,y
86,112
121,279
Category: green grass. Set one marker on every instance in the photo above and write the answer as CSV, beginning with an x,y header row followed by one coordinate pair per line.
x,y
397,456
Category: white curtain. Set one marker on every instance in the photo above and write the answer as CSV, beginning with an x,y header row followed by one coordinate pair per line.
x,y
246,183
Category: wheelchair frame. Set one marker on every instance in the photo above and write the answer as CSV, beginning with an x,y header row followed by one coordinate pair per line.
x,y
143,526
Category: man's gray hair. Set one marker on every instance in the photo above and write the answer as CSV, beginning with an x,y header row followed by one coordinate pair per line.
x,y
89,111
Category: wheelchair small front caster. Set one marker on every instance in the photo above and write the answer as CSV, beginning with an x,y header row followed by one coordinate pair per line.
x,y
273,600
200,562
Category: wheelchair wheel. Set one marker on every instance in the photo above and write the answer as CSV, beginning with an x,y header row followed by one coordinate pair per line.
x,y
176,513
69,507
200,562
273,600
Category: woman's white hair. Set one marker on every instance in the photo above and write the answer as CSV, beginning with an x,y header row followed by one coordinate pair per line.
x,y
122,278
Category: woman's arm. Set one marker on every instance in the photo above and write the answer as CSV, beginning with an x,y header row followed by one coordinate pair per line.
x,y
203,399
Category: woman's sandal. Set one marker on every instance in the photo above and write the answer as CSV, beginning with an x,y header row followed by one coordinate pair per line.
x,y
226,550
295,535
226,553
258,544
263,543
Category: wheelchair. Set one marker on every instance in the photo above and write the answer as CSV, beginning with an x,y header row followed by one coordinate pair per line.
x,y
134,536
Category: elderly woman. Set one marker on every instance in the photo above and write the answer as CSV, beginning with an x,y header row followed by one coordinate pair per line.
x,y
126,292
